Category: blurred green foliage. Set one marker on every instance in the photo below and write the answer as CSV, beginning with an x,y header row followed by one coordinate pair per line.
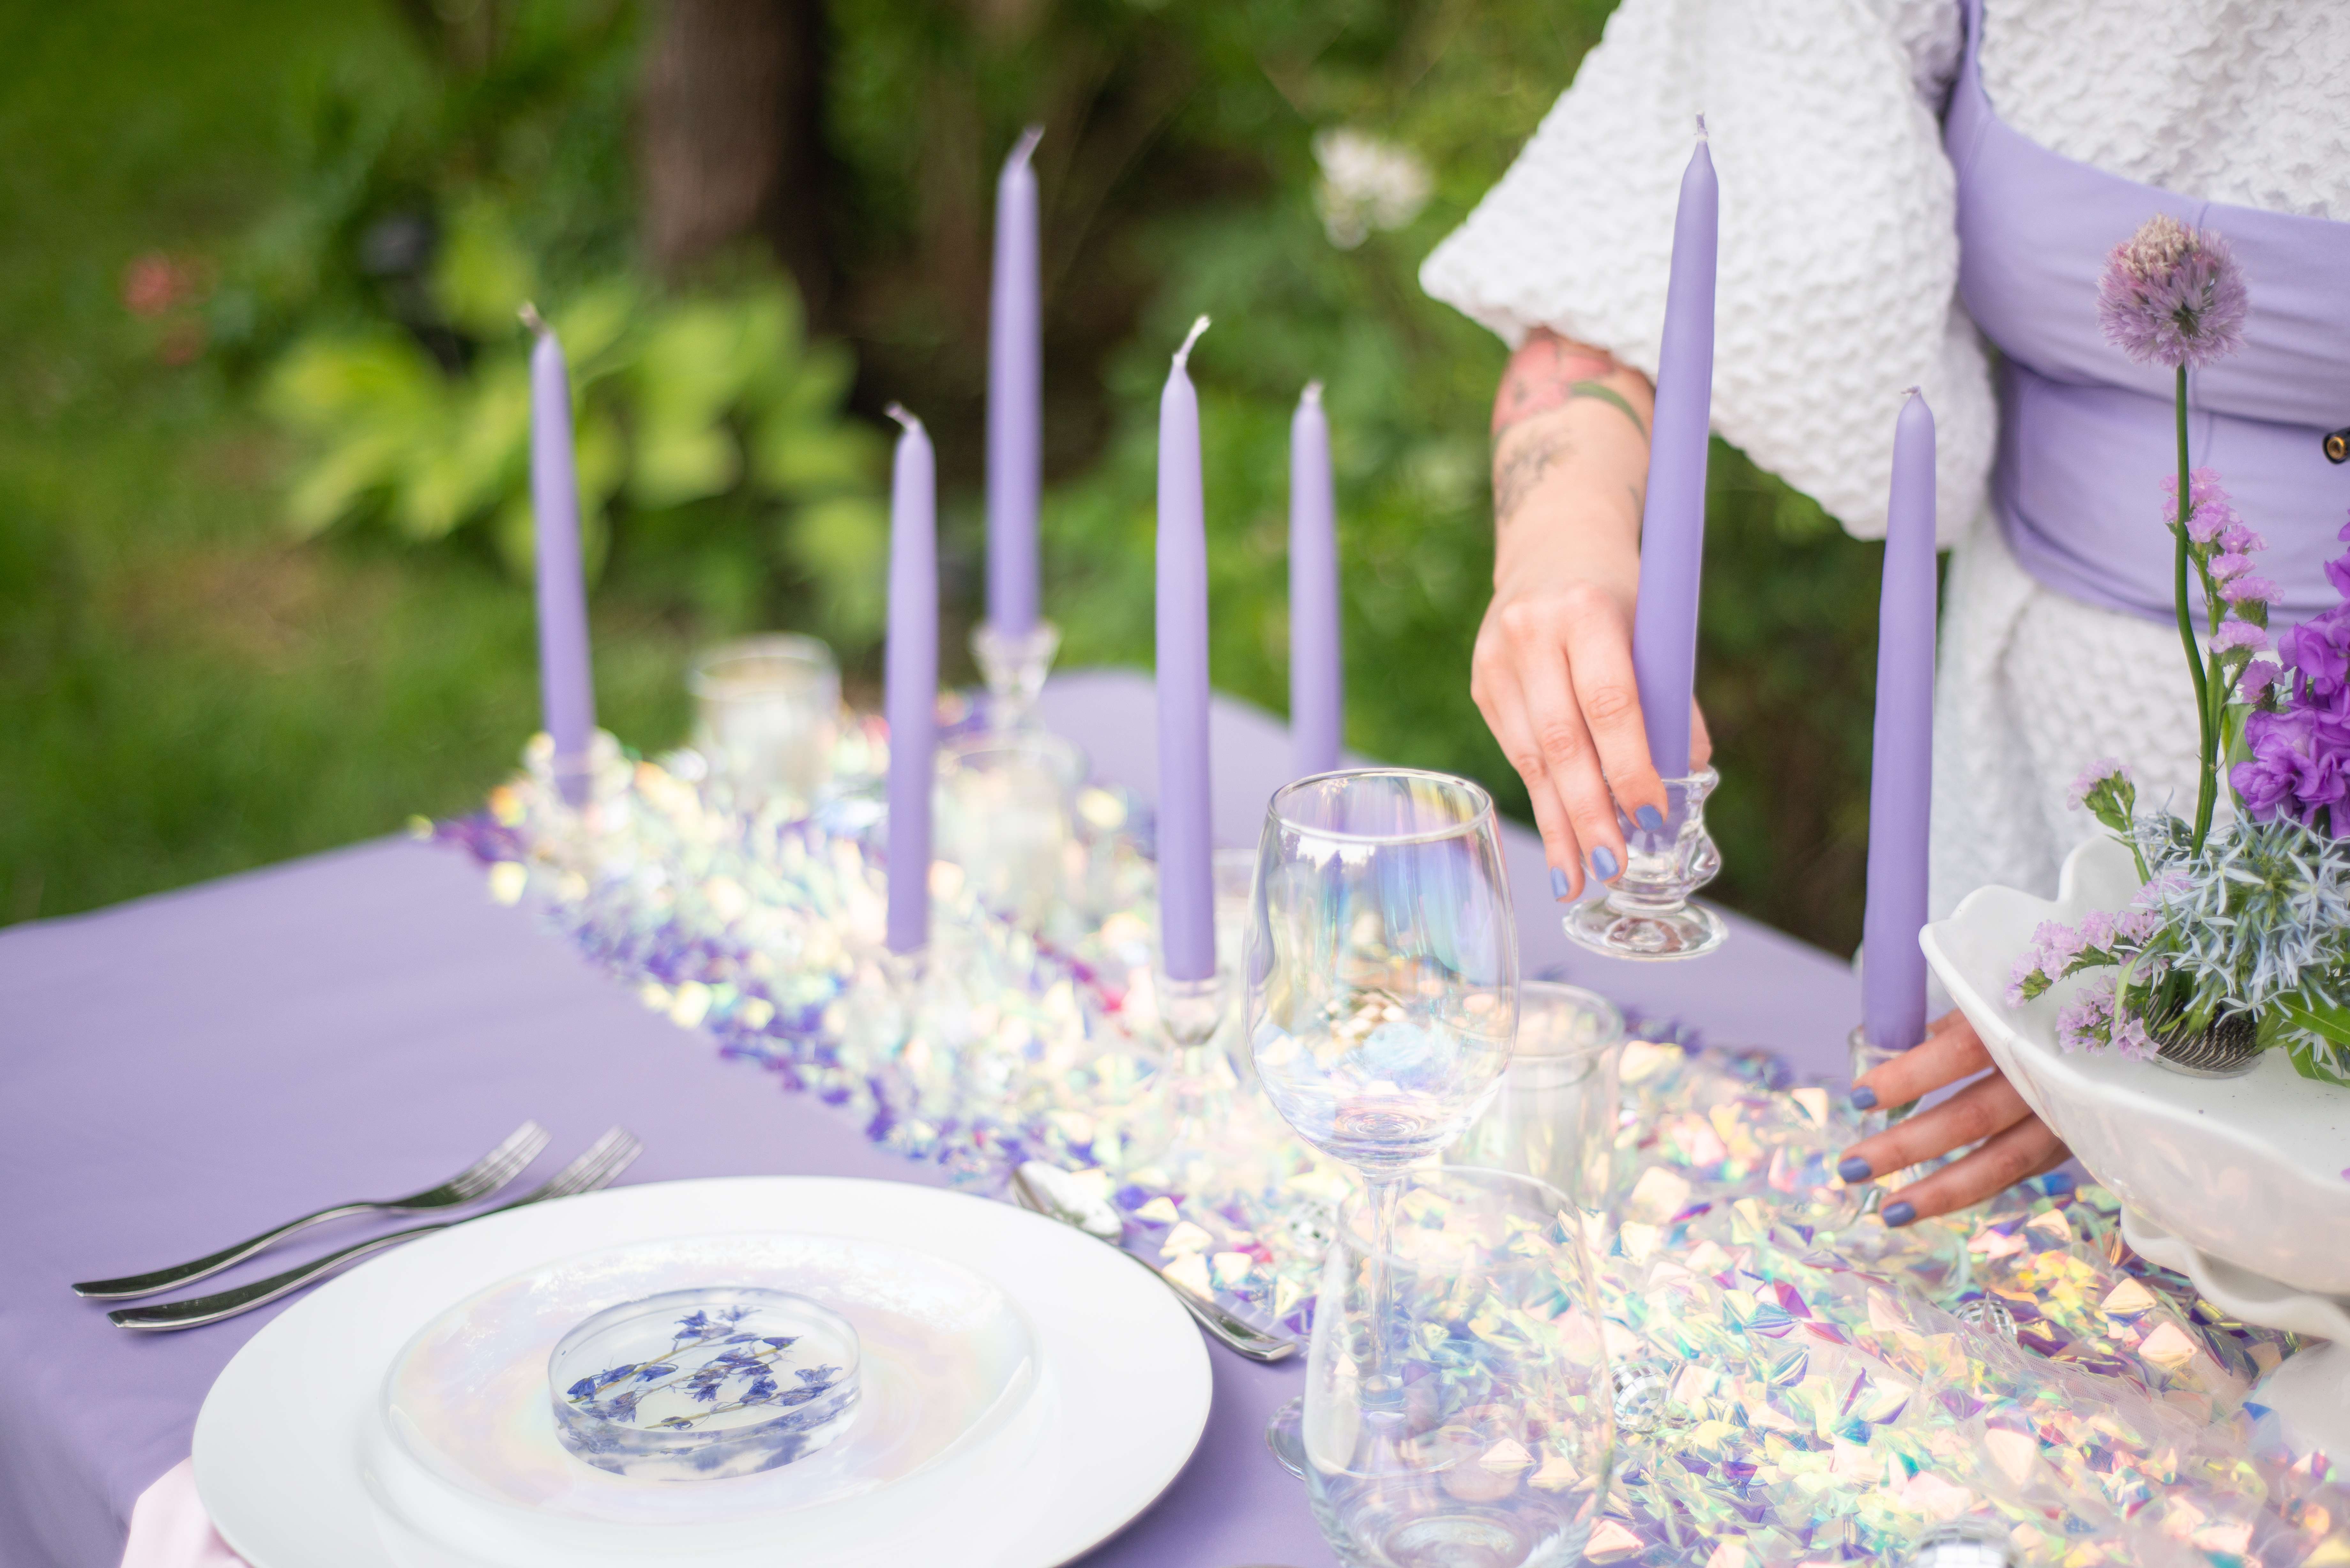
x,y
197,692
717,402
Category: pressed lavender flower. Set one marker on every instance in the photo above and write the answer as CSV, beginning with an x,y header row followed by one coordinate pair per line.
x,y
2235,634
2250,588
2172,295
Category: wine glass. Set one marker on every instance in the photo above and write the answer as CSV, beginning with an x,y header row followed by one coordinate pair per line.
x,y
1458,1410
1382,963
1382,966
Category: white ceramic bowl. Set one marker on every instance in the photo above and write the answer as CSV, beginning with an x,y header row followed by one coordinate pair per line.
x,y
2254,1171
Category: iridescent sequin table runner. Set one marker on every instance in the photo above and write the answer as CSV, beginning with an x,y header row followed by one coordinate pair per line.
x,y
1826,1387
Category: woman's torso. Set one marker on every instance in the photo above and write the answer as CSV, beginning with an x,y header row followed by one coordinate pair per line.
x,y
2084,434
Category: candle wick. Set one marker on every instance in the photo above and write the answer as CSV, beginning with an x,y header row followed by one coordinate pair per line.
x,y
1183,355
1702,135
898,411
1909,392
530,317
1026,144
1313,398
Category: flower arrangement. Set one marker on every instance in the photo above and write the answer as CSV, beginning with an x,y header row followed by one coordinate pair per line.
x,y
2241,932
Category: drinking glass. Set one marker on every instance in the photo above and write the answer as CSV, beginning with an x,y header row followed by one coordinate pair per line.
x,y
768,717
1553,1117
1382,963
1459,1411
1006,814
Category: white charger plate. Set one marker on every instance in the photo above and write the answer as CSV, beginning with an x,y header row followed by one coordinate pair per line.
x,y
288,1437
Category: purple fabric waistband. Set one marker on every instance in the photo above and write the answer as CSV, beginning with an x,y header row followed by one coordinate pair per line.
x,y
2078,493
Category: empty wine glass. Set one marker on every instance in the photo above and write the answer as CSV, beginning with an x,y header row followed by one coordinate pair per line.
x,y
1382,963
1457,1407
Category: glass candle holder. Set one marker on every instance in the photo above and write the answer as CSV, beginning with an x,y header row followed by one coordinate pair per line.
x,y
768,717
704,1384
1554,1116
1015,667
1006,814
1646,913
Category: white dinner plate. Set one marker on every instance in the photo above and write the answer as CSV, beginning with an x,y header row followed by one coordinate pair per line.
x,y
293,1462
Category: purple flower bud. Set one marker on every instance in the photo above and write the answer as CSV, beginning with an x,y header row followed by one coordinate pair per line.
x,y
2090,777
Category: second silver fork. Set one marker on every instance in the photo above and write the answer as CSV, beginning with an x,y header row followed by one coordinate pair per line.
x,y
600,1167
477,1181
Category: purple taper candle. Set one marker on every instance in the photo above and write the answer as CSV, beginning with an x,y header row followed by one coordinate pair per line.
x,y
566,686
1187,890
1317,690
1901,760
1015,398
1672,522
911,675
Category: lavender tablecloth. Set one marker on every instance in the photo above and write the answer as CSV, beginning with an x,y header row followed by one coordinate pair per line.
x,y
197,1067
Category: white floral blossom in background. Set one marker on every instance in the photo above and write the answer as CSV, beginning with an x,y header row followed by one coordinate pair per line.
x,y
1367,183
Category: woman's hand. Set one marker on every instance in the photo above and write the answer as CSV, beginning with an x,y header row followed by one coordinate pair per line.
x,y
1552,668
2014,1142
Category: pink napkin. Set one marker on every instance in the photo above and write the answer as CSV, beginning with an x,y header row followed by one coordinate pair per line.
x,y
169,1528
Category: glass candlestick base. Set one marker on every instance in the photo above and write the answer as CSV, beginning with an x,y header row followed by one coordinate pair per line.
x,y
1191,1134
1646,913
1015,665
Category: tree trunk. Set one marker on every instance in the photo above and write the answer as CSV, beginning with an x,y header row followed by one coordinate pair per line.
x,y
730,140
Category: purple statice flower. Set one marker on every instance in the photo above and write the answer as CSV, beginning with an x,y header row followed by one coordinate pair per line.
x,y
2097,931
2235,634
2257,678
2136,926
2250,588
2209,513
2090,777
2131,1042
2086,1022
2057,945
2172,295
2235,536
2227,565
2170,882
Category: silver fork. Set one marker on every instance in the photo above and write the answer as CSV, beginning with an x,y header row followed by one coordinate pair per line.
x,y
479,1179
600,1167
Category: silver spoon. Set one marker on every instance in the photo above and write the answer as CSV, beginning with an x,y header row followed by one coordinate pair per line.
x,y
1045,1189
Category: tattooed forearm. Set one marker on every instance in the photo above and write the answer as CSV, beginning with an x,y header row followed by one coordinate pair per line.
x,y
1549,372
1519,461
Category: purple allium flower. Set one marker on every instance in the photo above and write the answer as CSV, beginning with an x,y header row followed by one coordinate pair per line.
x,y
2250,588
2172,295
2093,775
2228,563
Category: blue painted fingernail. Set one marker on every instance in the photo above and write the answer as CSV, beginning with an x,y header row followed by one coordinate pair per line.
x,y
1559,884
1853,1168
1864,1098
1603,864
1899,1213
2058,1181
1649,817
